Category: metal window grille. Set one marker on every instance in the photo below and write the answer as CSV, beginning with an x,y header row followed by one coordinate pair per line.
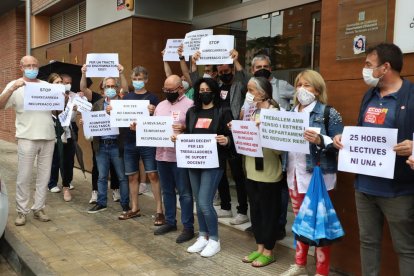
x,y
68,23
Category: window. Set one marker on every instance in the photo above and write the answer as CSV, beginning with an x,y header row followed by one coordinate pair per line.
x,y
68,23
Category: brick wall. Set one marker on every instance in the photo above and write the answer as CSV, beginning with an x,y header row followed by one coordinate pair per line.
x,y
12,48
40,4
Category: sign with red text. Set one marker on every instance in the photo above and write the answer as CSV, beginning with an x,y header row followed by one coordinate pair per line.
x,y
44,96
154,131
368,150
125,112
197,151
246,138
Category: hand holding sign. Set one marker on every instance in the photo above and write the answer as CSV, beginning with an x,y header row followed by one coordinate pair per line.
x,y
405,148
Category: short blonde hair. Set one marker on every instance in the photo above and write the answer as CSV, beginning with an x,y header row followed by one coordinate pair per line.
x,y
315,79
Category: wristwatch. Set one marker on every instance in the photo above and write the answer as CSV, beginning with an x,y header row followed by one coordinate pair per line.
x,y
181,58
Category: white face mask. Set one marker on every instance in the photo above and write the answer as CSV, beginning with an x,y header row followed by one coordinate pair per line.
x,y
186,85
304,96
250,98
68,87
206,76
369,79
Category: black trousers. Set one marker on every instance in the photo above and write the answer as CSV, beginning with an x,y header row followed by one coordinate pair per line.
x,y
114,180
264,201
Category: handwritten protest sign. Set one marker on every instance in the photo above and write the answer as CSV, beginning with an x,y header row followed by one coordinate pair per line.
x,y
102,65
155,131
246,138
196,151
170,52
124,112
215,49
368,150
65,116
82,104
44,96
283,130
192,40
96,123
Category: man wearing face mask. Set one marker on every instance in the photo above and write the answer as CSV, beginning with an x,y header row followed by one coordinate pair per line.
x,y
35,135
282,91
109,150
173,178
378,197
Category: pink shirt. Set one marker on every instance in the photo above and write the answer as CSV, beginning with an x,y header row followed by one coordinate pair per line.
x,y
177,110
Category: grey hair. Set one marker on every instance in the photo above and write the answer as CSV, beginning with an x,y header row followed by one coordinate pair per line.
x,y
260,57
110,78
140,70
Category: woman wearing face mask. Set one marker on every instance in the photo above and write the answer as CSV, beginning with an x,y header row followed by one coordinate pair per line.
x,y
207,117
311,97
263,185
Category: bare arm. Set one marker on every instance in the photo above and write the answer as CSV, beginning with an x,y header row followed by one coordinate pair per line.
x,y
235,56
83,84
183,65
6,94
124,82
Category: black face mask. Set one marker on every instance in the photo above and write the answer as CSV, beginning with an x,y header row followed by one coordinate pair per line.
x,y
172,97
226,78
264,73
206,97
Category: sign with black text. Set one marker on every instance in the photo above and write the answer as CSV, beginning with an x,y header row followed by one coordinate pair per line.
x,y
246,138
124,112
44,96
192,40
96,123
102,65
215,49
154,131
196,151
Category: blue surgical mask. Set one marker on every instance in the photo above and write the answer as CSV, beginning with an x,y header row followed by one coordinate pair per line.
x,y
110,93
31,73
138,85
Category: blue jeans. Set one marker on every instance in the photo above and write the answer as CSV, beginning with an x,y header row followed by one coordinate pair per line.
x,y
204,183
172,178
106,155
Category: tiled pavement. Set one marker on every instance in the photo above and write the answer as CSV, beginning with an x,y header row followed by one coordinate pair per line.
x,y
78,243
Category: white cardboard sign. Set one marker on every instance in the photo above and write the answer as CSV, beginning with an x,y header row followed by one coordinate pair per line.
x,y
102,65
44,96
66,115
154,131
124,112
368,150
215,49
170,52
283,130
196,151
192,41
246,138
82,104
96,123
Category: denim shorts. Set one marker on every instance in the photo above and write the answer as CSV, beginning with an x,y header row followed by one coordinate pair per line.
x,y
132,154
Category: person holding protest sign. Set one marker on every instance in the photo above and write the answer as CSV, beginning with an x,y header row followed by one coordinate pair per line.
x,y
207,116
264,182
311,97
35,135
132,153
377,197
109,150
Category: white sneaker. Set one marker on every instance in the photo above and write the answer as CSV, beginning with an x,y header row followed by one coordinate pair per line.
x,y
216,200
115,195
212,248
94,197
198,246
295,270
71,187
55,189
224,213
142,188
239,219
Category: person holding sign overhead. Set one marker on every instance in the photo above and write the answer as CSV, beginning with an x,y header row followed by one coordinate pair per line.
x,y
35,135
207,116
388,103
325,122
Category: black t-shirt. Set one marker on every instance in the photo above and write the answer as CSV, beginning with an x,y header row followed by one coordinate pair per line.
x,y
204,121
225,95
95,97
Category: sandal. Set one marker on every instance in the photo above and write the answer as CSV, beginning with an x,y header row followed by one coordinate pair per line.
x,y
264,260
251,257
159,219
129,214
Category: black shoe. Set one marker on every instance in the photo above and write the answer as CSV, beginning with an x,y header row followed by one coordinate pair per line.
x,y
164,229
97,208
249,229
186,235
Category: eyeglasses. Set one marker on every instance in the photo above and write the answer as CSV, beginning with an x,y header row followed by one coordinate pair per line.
x,y
110,86
166,90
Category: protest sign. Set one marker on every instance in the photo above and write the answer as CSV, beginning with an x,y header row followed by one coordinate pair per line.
x,y
368,150
215,49
102,65
170,51
283,130
82,104
65,116
246,138
154,131
124,112
96,123
44,96
192,39
196,151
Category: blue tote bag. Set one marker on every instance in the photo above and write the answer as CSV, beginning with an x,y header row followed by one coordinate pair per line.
x,y
316,223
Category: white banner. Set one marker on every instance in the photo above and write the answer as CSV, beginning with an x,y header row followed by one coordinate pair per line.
x,y
82,104
246,138
368,150
44,96
66,115
404,25
283,130
196,151
124,112
170,52
192,40
215,49
96,123
154,131
102,65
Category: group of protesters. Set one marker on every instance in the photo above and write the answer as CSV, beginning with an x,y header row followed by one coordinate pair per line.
x,y
207,104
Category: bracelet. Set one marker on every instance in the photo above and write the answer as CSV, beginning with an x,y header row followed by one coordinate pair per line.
x,y
181,58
